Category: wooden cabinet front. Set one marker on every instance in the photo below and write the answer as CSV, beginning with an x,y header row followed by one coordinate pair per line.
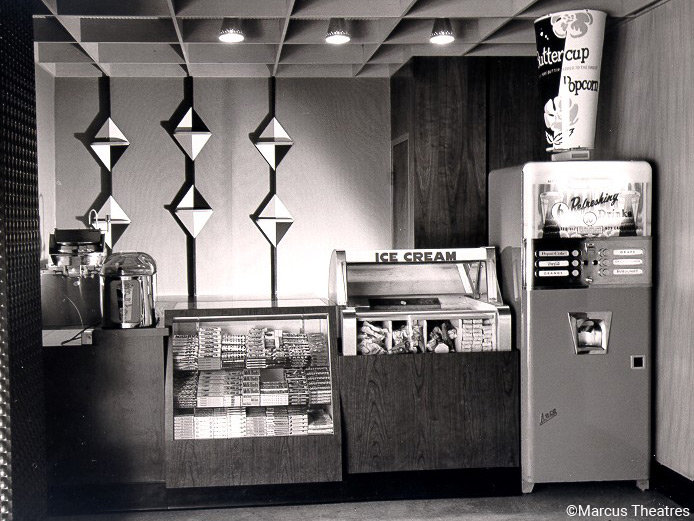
x,y
430,411
105,409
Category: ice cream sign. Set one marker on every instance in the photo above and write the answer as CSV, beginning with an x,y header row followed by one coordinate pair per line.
x,y
569,54
415,256
453,255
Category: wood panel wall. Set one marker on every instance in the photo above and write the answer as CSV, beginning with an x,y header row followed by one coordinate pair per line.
x,y
515,128
463,117
449,161
647,112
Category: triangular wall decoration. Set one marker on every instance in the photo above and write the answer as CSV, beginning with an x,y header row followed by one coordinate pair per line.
x,y
193,211
273,220
273,143
113,221
109,143
191,133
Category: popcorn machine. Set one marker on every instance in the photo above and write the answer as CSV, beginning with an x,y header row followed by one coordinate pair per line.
x,y
419,301
576,268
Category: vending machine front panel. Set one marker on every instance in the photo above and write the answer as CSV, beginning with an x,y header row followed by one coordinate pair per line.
x,y
588,415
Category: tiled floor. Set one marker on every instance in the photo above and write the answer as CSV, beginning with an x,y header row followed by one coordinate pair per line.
x,y
547,503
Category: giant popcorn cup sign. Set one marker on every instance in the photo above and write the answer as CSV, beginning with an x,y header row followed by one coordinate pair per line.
x,y
569,53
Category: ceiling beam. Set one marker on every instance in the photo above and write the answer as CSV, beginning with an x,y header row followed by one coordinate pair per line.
x,y
520,6
73,26
406,6
179,35
283,36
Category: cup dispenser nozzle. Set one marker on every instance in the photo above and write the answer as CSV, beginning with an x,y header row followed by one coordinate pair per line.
x,y
590,331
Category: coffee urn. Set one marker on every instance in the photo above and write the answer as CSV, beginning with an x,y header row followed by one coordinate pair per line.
x,y
128,290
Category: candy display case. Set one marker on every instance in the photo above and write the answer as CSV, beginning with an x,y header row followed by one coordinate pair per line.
x,y
251,394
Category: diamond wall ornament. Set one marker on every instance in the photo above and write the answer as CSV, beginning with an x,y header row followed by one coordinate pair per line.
x,y
273,219
109,144
192,133
193,211
112,220
273,143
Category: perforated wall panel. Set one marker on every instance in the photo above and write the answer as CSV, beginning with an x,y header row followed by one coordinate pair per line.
x,y
21,373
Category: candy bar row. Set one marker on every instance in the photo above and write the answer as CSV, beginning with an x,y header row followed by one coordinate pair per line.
x,y
211,348
239,422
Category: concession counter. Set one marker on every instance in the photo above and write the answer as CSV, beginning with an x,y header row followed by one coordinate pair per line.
x,y
454,402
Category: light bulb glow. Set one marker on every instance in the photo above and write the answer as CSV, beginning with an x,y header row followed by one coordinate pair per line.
x,y
441,39
442,32
338,32
231,31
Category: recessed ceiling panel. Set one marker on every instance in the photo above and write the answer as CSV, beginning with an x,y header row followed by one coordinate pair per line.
x,y
61,53
237,53
375,71
515,32
418,31
391,54
319,54
230,70
145,70
315,71
467,8
206,30
49,29
348,8
76,70
140,53
453,49
504,50
113,7
372,31
131,30
231,8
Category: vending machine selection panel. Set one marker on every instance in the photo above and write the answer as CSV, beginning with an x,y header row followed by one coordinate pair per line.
x,y
585,262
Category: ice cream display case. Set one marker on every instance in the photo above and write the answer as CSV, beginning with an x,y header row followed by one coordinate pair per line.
x,y
417,301
448,397
251,395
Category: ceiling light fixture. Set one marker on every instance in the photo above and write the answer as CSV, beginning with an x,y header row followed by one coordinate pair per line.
x,y
231,31
338,33
442,33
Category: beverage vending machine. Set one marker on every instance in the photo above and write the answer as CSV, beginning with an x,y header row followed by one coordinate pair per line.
x,y
576,263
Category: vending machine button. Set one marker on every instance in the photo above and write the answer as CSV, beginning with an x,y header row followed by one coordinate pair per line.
x,y
629,251
604,272
575,253
553,253
602,251
575,263
628,262
575,273
605,262
553,264
553,273
628,271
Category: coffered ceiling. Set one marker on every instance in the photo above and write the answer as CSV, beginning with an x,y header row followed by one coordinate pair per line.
x,y
283,37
